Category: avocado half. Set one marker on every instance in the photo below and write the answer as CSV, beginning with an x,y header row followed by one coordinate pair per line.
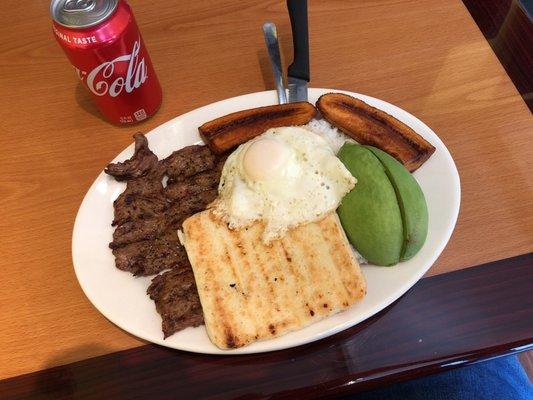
x,y
385,216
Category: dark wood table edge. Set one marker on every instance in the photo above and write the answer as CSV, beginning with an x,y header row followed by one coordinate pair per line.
x,y
490,315
372,380
508,29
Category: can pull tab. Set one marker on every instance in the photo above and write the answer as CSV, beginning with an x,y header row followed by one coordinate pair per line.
x,y
78,5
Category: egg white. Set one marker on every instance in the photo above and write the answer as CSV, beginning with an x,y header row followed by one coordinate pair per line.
x,y
310,183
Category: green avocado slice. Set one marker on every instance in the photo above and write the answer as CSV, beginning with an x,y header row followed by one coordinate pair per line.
x,y
370,214
411,200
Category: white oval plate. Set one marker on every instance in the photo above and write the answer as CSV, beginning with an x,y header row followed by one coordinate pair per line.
x,y
122,298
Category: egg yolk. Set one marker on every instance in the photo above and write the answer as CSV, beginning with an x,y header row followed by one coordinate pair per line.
x,y
264,158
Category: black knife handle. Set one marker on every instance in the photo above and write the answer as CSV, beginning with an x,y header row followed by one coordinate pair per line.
x,y
300,39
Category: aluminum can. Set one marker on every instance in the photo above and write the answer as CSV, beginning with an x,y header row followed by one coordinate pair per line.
x,y
103,43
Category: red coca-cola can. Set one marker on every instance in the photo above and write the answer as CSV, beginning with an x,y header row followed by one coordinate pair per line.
x,y
102,41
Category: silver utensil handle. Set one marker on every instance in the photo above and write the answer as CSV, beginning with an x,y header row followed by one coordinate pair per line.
x,y
271,40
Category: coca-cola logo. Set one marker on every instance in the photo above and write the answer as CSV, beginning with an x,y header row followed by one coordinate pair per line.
x,y
98,80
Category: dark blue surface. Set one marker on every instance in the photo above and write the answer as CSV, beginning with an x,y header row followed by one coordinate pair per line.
x,y
499,379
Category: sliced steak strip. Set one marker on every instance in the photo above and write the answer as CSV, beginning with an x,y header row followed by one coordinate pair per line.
x,y
180,190
137,230
151,228
189,161
179,211
143,161
150,184
176,300
150,257
142,199
131,205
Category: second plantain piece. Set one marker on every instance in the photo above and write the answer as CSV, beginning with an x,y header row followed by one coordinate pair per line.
x,y
371,126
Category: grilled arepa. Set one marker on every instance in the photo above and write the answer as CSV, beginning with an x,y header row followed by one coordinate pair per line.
x,y
252,291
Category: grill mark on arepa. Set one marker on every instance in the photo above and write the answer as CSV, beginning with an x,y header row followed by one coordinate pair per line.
x,y
286,254
219,319
216,308
328,272
285,261
254,300
304,282
350,285
231,261
273,269
242,272
328,230
230,317
322,262
260,300
287,281
229,338
357,285
296,278
263,261
313,271
236,240
334,274
193,231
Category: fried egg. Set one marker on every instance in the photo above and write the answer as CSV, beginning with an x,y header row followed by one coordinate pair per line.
x,y
285,177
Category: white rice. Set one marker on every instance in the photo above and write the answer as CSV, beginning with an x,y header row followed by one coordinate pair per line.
x,y
333,136
358,256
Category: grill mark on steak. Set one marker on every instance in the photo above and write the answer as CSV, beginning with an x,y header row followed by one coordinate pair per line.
x,y
147,216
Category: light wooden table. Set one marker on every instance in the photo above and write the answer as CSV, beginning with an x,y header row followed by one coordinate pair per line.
x,y
427,57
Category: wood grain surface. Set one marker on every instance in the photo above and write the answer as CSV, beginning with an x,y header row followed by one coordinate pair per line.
x,y
443,322
425,56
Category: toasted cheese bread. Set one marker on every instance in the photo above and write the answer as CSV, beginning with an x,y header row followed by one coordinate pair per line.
x,y
252,291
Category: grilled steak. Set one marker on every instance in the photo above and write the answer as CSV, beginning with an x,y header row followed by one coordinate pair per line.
x,y
181,210
179,190
189,161
140,229
148,215
176,300
143,160
148,257
130,206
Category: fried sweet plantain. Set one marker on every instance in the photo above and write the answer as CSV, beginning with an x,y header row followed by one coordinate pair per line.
x,y
369,125
231,130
